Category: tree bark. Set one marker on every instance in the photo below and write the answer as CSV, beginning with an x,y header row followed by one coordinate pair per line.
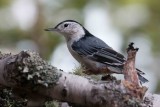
x,y
31,77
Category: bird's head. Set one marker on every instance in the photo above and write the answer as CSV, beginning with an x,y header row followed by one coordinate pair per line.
x,y
70,29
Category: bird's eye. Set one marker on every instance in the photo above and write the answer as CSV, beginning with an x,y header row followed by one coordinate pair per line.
x,y
65,25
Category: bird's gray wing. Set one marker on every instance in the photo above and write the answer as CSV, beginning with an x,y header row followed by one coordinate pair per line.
x,y
95,49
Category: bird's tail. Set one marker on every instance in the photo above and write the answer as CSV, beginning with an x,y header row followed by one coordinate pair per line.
x,y
119,69
141,78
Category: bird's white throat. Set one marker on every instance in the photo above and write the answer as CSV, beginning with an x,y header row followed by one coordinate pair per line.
x,y
76,35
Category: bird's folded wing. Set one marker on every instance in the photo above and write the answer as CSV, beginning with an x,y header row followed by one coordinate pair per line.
x,y
102,54
108,56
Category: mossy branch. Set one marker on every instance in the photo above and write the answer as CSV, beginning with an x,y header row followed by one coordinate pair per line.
x,y
32,78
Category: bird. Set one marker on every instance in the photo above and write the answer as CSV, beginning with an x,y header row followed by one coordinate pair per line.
x,y
90,51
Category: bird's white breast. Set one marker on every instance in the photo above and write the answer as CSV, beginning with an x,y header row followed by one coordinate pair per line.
x,y
93,65
73,53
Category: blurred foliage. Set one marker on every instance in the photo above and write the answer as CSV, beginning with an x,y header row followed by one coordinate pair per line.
x,y
127,2
158,87
4,3
11,36
47,41
152,27
77,4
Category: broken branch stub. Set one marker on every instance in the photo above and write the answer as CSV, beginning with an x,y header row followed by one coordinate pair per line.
x,y
130,73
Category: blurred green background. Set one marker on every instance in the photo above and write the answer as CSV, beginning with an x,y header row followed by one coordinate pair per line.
x,y
22,24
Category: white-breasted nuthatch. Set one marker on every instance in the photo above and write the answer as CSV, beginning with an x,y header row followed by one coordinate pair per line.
x,y
91,51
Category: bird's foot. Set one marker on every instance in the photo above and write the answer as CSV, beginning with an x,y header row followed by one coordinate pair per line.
x,y
108,77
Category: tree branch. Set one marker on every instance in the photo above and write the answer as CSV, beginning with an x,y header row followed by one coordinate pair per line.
x,y
31,77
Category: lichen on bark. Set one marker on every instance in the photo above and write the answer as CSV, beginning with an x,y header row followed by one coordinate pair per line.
x,y
31,69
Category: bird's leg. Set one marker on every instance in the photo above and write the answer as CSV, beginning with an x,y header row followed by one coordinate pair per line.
x,y
104,69
100,70
88,71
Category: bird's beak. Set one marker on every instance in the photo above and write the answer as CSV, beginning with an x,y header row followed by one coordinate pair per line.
x,y
51,29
